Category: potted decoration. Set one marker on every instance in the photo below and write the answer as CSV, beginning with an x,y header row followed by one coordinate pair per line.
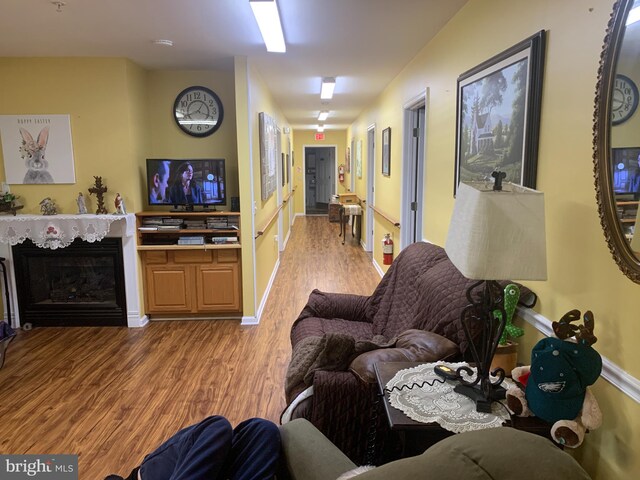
x,y
8,203
506,355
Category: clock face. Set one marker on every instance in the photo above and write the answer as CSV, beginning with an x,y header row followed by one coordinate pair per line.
x,y
624,100
198,111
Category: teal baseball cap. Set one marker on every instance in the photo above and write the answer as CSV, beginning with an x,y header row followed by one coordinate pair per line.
x,y
561,371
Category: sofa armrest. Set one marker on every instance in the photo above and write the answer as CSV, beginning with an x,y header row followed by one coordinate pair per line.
x,y
336,305
309,455
411,346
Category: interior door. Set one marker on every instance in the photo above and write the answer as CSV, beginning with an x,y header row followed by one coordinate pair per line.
x,y
413,180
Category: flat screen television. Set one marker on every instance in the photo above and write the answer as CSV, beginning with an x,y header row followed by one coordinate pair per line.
x,y
626,171
186,182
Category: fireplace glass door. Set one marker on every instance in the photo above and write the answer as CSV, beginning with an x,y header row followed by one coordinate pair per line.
x,y
80,285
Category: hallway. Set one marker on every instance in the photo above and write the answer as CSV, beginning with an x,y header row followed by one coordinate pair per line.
x,y
111,395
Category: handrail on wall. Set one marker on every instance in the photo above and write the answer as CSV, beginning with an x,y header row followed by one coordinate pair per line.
x,y
274,215
395,223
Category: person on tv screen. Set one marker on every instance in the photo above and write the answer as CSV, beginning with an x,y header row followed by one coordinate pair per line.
x,y
158,184
184,191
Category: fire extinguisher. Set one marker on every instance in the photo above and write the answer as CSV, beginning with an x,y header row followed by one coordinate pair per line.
x,y
341,173
387,249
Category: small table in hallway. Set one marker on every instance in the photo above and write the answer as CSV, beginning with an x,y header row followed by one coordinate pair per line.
x,y
353,213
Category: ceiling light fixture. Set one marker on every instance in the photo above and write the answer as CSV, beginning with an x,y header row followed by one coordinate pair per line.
x,y
266,13
328,84
323,116
320,128
163,43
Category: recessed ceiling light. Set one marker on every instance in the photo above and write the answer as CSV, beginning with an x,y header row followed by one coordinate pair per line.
x,y
164,43
328,84
323,116
320,128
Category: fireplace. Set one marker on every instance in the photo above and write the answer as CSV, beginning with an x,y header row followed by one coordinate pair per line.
x,y
80,285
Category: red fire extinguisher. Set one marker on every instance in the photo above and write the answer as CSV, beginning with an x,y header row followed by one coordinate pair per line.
x,y
387,249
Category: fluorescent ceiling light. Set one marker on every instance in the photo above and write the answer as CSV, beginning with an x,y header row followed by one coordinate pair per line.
x,y
323,116
328,84
634,16
266,13
320,128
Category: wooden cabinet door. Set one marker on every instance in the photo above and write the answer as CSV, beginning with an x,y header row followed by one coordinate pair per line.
x,y
218,287
169,288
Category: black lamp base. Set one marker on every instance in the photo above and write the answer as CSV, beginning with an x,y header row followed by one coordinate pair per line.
x,y
475,393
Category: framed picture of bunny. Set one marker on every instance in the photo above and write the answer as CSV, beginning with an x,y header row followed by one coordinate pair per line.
x,y
37,149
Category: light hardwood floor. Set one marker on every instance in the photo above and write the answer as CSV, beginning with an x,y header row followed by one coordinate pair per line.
x,y
112,395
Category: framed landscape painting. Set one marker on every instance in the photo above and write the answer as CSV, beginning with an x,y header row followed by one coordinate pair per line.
x,y
498,115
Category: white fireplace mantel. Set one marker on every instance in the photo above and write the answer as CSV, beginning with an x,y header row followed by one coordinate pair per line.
x,y
59,231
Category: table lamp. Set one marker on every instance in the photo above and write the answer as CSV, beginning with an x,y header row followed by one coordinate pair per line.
x,y
496,233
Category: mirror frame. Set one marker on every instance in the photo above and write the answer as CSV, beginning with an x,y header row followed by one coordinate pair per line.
x,y
618,244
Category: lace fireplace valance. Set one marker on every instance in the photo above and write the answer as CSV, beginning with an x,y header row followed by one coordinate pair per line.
x,y
58,231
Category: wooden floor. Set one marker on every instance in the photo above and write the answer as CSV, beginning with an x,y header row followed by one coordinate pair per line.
x,y
111,395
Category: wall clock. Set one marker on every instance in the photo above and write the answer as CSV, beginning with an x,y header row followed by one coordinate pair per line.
x,y
198,111
624,100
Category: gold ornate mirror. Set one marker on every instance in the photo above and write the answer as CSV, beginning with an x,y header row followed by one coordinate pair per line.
x,y
617,137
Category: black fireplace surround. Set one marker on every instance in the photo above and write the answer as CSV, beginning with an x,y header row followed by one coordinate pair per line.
x,y
80,285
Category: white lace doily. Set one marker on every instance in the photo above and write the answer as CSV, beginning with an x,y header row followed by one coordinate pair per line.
x,y
439,403
58,231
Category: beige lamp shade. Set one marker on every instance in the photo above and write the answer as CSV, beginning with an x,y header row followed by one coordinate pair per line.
x,y
498,235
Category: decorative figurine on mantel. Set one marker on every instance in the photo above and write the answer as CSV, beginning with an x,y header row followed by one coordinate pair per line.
x,y
119,203
82,206
8,203
99,190
48,206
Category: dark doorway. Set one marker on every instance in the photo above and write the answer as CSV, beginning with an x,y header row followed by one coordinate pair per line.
x,y
80,285
319,179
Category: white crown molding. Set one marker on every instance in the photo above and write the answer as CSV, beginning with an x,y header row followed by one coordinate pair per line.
x,y
612,373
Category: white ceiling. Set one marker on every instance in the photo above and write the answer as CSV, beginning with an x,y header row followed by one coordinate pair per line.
x,y
364,43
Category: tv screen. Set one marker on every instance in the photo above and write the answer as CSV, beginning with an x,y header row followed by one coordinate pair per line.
x,y
186,182
626,171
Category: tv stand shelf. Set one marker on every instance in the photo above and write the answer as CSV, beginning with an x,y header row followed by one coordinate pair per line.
x,y
194,280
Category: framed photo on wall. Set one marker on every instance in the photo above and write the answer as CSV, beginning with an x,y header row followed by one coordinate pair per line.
x,y
386,152
37,149
498,115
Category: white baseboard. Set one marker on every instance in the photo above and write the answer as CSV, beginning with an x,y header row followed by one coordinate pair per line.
x,y
612,373
249,321
263,302
377,266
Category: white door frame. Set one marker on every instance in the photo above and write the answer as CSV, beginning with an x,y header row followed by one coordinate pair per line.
x,y
412,178
279,166
370,195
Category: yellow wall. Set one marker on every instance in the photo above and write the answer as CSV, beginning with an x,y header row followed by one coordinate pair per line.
x,y
581,272
97,94
306,138
266,248
168,141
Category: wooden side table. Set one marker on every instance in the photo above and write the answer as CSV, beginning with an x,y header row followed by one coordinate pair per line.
x,y
415,437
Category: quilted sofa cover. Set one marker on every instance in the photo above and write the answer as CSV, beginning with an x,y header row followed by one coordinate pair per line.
x,y
421,290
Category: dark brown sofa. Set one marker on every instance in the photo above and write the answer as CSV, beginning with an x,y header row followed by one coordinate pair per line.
x,y
413,315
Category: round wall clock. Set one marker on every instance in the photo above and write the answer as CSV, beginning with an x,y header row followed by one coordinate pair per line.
x,y
198,111
624,100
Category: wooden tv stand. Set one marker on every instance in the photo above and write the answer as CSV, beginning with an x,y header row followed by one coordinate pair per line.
x,y
193,280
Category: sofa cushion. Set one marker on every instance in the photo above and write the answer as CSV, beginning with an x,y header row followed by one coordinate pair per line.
x,y
317,327
492,454
411,346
